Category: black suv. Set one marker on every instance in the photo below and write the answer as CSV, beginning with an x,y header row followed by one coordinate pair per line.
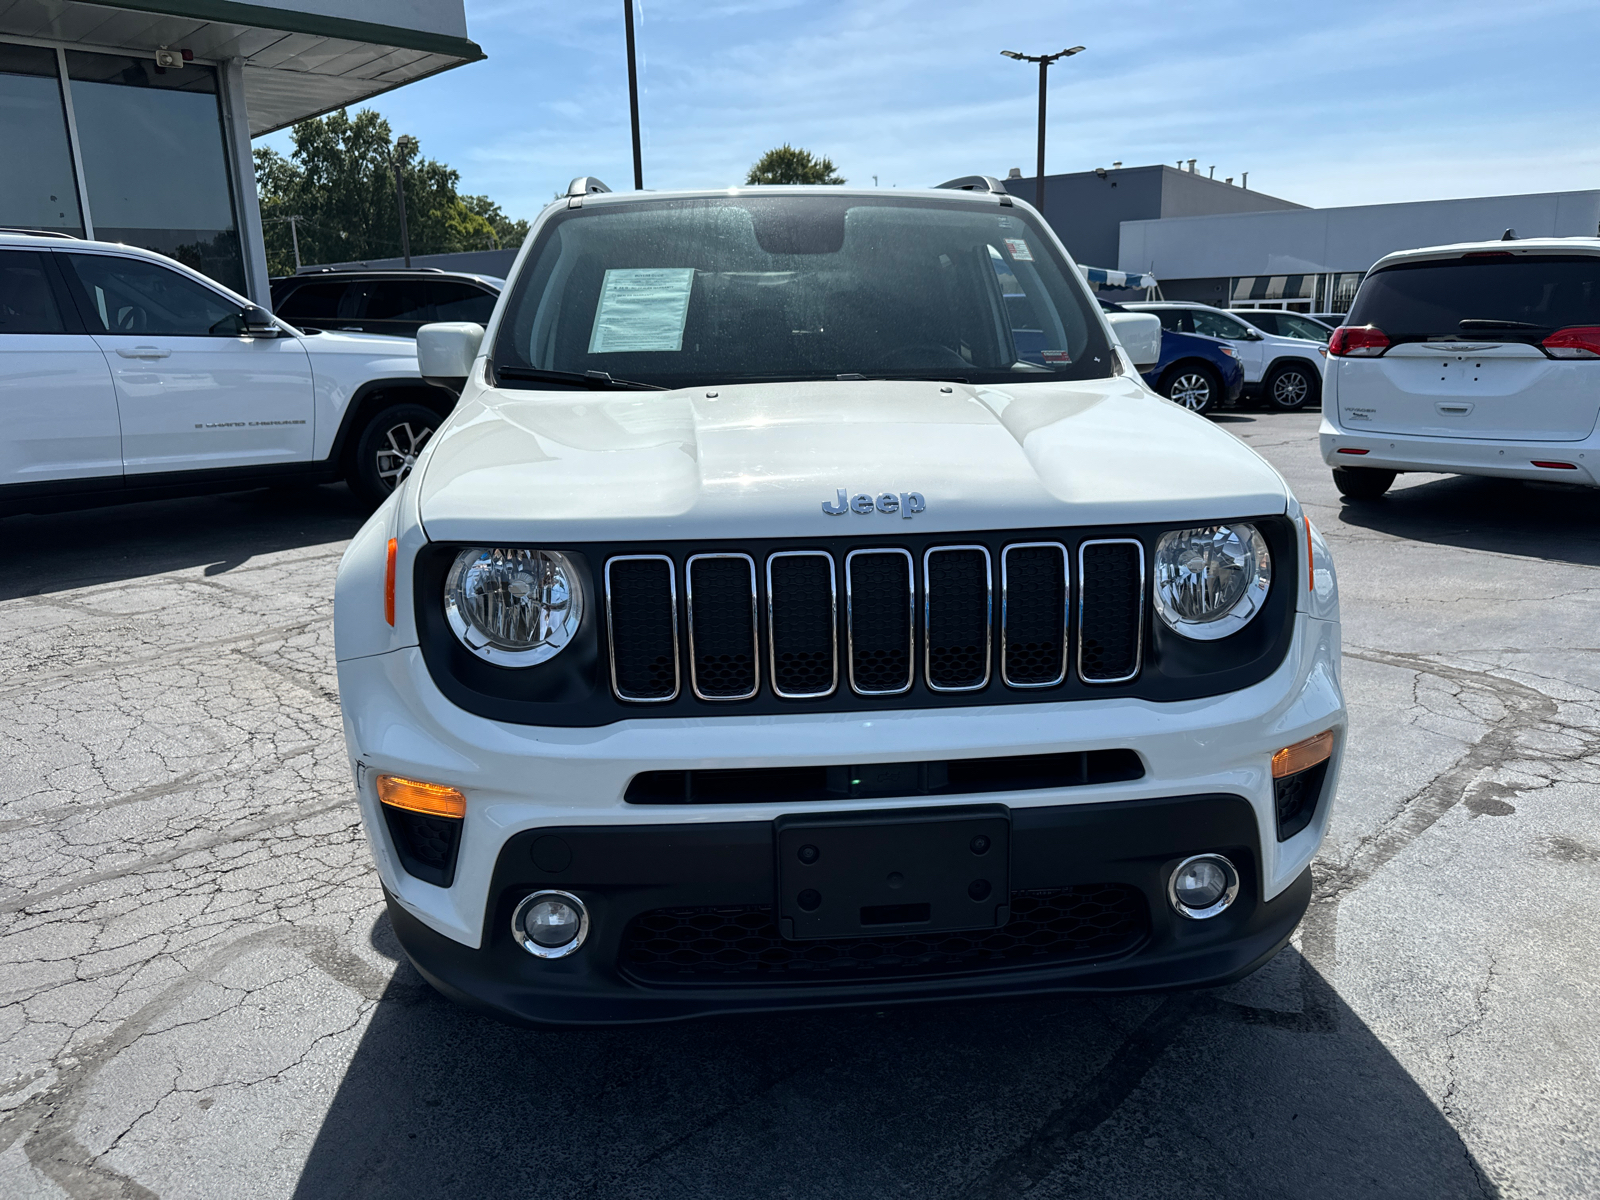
x,y
393,302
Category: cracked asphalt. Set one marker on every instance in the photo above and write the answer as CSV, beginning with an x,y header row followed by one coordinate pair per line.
x,y
200,997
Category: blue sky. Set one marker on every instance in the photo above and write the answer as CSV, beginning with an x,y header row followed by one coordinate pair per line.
x,y
1325,103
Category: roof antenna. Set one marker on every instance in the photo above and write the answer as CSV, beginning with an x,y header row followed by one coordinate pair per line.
x,y
1509,235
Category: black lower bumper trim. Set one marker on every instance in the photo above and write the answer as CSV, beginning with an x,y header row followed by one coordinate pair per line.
x,y
624,873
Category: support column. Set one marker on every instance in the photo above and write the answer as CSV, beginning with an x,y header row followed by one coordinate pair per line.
x,y
247,207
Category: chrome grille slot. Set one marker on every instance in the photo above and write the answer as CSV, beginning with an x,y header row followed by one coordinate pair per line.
x,y
803,623
642,627
956,598
880,604
1033,614
1111,581
724,660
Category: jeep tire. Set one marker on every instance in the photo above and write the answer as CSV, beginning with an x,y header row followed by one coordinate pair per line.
x,y
386,448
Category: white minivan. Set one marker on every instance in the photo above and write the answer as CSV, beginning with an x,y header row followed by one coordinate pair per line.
x,y
1474,359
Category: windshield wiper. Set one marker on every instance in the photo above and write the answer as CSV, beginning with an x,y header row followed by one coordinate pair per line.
x,y
582,379
928,376
1496,323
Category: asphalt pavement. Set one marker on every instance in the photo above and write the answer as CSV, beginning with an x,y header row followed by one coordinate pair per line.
x,y
200,995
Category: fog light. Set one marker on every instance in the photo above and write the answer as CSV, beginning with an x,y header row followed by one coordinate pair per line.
x,y
550,924
1203,886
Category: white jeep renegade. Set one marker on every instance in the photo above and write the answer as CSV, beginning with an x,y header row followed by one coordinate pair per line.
x,y
807,605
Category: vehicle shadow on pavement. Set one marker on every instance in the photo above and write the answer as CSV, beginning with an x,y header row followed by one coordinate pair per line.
x,y
56,552
1549,521
1271,1088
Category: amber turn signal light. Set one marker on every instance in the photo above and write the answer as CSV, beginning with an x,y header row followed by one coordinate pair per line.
x,y
433,799
1301,756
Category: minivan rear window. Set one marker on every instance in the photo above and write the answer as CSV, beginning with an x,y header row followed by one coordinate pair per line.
x,y
1518,298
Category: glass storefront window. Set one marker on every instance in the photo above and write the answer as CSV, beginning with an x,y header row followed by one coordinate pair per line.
x,y
38,190
153,160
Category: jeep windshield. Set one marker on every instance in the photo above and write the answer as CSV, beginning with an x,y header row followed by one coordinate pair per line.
x,y
753,288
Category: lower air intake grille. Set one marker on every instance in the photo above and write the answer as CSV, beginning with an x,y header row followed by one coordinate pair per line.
x,y
1033,614
956,580
1111,582
642,612
722,626
740,944
804,615
878,584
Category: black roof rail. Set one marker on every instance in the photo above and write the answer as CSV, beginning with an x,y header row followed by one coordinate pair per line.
x,y
586,185
47,233
979,183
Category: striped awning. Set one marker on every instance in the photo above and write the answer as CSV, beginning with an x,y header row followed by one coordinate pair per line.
x,y
1116,278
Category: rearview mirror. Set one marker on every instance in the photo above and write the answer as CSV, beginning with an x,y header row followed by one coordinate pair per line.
x,y
1139,334
258,322
445,353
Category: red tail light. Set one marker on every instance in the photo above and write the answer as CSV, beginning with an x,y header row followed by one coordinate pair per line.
x,y
1358,341
1577,341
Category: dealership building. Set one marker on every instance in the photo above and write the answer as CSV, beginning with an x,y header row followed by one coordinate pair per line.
x,y
132,122
1213,241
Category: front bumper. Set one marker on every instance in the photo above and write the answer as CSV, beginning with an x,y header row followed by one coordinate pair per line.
x,y
623,872
1462,456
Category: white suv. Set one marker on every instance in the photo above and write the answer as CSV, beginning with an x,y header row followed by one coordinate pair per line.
x,y
1283,372
125,376
1476,359
808,605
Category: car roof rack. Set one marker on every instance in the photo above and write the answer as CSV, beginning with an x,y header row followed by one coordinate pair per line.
x,y
304,271
586,185
47,233
979,183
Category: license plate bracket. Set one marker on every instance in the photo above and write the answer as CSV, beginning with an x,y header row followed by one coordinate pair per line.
x,y
909,871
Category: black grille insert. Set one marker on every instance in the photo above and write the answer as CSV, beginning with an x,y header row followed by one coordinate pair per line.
x,y
880,599
740,944
722,626
803,623
1111,610
1033,614
642,620
1296,799
956,592
959,777
426,845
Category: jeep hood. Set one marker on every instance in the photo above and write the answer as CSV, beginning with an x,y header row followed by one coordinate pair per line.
x,y
760,460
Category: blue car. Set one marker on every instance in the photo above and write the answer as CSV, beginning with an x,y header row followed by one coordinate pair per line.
x,y
1199,372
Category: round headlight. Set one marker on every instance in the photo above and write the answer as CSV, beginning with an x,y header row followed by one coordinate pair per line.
x,y
1211,581
516,608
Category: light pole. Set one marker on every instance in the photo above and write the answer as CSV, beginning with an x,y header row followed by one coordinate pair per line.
x,y
403,144
1044,61
633,97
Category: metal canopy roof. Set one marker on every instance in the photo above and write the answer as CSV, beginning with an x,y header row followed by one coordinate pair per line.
x,y
296,64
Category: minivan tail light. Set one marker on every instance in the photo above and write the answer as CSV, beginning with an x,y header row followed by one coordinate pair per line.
x,y
1576,341
1358,341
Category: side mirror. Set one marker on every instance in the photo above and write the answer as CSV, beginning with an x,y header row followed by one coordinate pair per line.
x,y
1255,335
258,322
445,353
1139,334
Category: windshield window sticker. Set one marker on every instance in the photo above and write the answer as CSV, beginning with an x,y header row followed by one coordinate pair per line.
x,y
1019,249
640,309
1055,356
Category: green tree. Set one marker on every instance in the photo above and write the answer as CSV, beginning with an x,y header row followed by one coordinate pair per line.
x,y
339,183
787,164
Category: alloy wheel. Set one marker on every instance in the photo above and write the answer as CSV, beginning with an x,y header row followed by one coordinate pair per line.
x,y
1192,390
398,453
1290,389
